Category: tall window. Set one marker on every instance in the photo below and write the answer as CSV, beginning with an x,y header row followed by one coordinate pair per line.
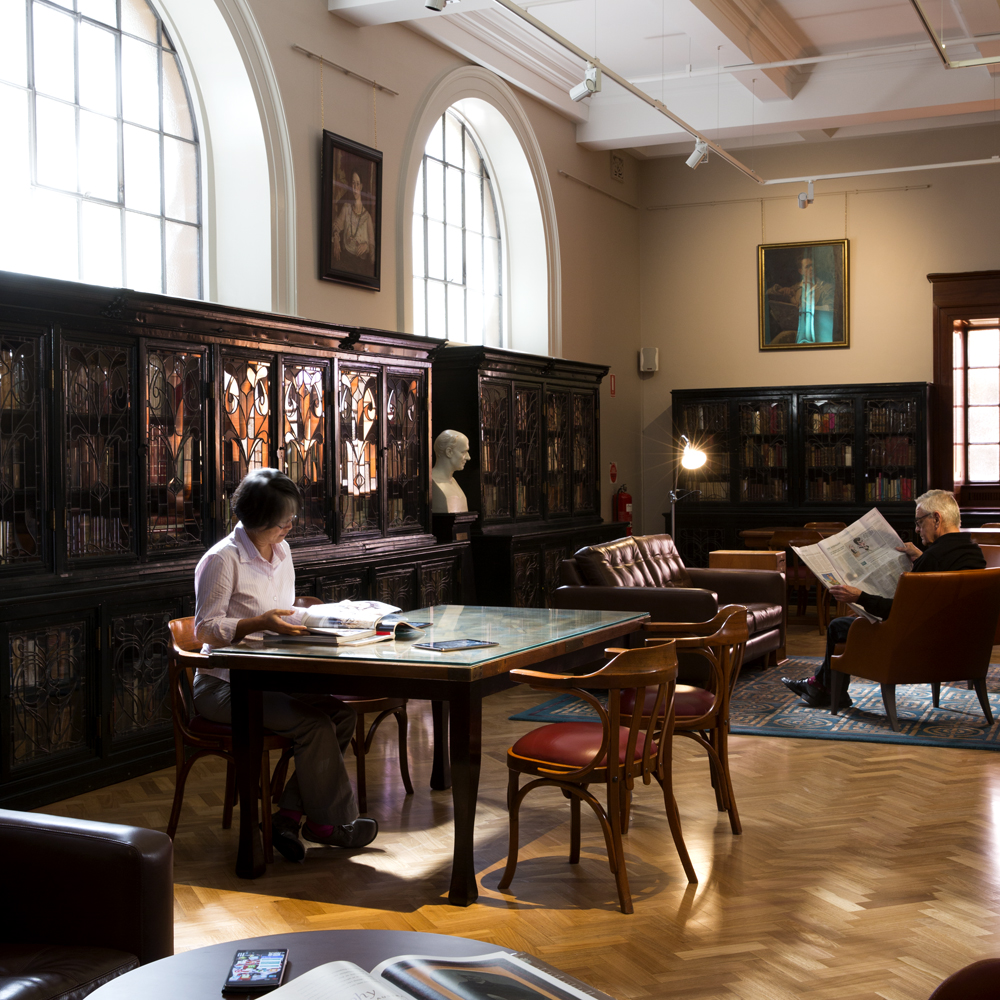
x,y
458,271
976,395
99,169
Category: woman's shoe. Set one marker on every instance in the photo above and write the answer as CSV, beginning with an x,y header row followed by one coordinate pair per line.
x,y
360,833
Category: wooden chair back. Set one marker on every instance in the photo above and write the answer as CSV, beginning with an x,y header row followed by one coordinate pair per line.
x,y
184,657
827,527
942,628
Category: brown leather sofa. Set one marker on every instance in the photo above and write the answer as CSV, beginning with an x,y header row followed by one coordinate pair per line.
x,y
84,902
646,573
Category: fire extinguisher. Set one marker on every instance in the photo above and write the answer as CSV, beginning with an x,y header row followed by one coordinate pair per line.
x,y
621,508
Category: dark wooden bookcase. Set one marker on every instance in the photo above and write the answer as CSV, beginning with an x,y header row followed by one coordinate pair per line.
x,y
533,425
785,456
126,422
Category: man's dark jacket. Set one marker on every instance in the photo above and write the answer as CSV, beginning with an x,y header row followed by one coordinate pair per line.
x,y
952,551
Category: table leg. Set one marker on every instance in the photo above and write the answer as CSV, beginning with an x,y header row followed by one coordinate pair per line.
x,y
466,752
248,746
441,769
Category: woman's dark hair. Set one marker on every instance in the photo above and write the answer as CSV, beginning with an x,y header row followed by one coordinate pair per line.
x,y
265,498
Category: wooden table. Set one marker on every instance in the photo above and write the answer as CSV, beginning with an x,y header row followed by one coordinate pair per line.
x,y
199,974
456,682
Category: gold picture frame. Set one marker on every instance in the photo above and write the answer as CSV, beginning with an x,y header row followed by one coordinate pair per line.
x,y
803,294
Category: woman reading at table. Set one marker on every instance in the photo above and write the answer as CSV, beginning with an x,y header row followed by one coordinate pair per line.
x,y
245,586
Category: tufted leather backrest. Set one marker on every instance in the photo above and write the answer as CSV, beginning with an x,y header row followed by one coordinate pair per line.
x,y
639,561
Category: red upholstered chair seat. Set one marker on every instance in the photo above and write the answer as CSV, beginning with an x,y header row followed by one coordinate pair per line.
x,y
689,701
573,744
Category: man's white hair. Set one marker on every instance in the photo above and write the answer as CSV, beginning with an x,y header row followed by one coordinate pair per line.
x,y
943,503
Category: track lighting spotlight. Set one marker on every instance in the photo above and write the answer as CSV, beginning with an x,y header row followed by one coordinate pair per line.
x,y
806,197
700,153
435,4
591,84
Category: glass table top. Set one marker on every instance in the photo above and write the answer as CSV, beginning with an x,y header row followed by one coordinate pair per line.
x,y
513,629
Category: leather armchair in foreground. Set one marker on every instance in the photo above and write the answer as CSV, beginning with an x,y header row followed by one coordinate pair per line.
x,y
646,573
85,902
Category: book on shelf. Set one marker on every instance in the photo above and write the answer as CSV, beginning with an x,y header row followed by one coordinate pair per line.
x,y
863,555
351,623
491,976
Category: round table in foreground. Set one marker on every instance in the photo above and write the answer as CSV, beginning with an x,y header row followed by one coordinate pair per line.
x,y
200,973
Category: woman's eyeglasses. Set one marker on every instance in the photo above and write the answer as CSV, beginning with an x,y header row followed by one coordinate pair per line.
x,y
289,524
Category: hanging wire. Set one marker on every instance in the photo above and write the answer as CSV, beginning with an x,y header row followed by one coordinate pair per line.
x,y
375,110
322,98
753,121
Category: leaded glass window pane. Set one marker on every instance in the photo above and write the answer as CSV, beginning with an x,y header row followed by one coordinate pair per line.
x,y
303,438
358,413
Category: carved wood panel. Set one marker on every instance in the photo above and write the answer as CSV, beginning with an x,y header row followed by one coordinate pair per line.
x,y
528,579
139,676
398,587
437,583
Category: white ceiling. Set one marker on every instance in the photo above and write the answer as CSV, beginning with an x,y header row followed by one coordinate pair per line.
x,y
685,52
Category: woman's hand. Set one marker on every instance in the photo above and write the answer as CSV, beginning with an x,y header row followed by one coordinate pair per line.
x,y
269,621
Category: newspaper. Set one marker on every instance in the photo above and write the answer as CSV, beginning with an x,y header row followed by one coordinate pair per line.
x,y
863,555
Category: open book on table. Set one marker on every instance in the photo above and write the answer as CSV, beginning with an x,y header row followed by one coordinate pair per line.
x,y
490,976
351,623
863,555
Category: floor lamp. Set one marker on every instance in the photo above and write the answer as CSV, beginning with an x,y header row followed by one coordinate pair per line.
x,y
691,458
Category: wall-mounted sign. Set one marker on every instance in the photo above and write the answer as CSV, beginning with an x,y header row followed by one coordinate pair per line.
x,y
614,473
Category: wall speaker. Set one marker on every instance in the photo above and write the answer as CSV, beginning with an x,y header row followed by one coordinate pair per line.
x,y
649,359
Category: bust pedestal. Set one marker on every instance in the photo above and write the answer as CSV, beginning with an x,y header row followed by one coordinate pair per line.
x,y
453,527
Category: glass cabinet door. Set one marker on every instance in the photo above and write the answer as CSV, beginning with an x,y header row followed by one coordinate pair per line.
x,y
358,400
175,420
584,453
557,442
527,451
22,451
706,426
99,449
304,440
406,451
891,464
829,448
762,450
494,448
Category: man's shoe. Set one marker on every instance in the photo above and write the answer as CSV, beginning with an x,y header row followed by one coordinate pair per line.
x,y
360,833
285,838
814,695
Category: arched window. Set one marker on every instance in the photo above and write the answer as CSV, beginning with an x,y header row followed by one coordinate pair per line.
x,y
100,171
458,263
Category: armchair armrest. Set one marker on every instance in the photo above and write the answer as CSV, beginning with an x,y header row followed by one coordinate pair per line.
x,y
662,603
77,882
742,586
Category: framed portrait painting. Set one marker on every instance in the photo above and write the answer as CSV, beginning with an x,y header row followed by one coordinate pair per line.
x,y
351,223
803,295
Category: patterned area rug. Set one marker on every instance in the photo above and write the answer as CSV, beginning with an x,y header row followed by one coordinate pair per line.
x,y
762,706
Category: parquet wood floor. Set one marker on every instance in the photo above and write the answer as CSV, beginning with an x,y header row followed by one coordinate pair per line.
x,y
863,871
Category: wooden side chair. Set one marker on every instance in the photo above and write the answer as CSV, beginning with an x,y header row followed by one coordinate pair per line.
x,y
213,738
798,577
826,527
942,628
614,751
702,714
362,741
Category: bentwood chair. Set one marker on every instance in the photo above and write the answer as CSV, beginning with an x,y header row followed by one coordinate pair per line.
x,y
702,713
614,751
362,741
213,738
941,628
798,577
826,527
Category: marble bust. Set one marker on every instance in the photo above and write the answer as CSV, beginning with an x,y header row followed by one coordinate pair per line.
x,y
451,452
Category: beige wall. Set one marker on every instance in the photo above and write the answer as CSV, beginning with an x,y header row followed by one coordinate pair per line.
x,y
699,266
598,237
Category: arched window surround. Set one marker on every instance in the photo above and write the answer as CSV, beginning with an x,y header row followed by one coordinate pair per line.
x,y
535,306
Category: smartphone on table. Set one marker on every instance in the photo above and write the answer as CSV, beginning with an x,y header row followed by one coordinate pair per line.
x,y
452,645
256,970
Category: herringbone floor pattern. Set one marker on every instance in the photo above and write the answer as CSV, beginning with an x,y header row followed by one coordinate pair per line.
x,y
863,871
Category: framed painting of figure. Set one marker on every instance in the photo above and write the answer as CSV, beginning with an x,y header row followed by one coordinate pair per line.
x,y
803,295
351,222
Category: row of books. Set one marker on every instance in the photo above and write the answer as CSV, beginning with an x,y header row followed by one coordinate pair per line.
x,y
892,451
766,455
838,454
829,423
774,489
884,488
835,490
771,420
891,420
702,418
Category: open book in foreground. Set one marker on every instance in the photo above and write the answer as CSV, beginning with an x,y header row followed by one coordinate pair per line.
x,y
351,623
491,976
863,555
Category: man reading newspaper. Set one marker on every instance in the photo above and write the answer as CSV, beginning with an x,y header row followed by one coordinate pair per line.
x,y
937,522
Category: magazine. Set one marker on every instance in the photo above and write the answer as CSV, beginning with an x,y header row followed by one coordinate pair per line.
x,y
351,623
863,555
491,976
